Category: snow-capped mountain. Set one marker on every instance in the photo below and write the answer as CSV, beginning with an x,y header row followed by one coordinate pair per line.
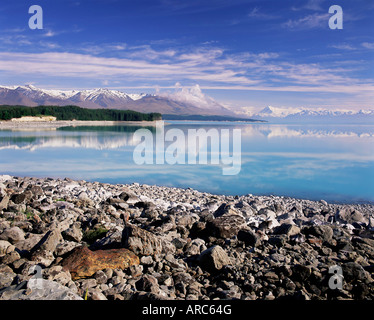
x,y
278,115
270,111
185,101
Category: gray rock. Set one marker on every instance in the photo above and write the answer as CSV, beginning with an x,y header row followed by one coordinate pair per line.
x,y
323,232
5,247
353,272
74,233
6,276
301,272
40,290
148,283
11,257
249,237
136,270
95,294
128,196
348,215
87,283
4,201
179,243
100,277
44,249
57,274
65,247
12,235
195,247
112,240
278,240
287,229
146,260
143,242
187,220
214,259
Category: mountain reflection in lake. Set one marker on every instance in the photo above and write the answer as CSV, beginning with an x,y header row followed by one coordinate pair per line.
x,y
330,162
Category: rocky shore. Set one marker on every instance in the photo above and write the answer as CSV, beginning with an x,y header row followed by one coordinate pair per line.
x,y
65,239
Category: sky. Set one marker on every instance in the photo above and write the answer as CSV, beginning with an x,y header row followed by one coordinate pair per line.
x,y
246,54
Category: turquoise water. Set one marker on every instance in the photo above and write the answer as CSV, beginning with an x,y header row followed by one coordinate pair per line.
x,y
330,162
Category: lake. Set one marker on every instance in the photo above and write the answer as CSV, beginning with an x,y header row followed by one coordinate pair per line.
x,y
330,162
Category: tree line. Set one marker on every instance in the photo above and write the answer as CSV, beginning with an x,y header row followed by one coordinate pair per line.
x,y
8,112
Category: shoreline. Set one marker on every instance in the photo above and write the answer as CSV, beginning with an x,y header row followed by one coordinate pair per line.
x,y
136,241
69,123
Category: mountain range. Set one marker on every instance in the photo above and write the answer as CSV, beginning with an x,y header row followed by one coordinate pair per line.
x,y
185,101
296,115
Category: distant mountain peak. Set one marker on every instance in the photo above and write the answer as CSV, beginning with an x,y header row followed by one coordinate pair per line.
x,y
185,101
270,111
31,87
275,114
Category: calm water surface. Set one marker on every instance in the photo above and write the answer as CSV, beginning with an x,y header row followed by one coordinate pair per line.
x,y
330,162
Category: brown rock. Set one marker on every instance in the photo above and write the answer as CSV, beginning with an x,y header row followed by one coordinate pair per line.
x,y
18,198
226,226
83,262
4,202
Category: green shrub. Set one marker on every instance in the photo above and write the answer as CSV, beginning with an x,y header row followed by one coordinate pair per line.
x,y
91,235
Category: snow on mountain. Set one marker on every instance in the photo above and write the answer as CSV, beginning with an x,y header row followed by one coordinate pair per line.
x,y
274,114
184,101
270,111
136,96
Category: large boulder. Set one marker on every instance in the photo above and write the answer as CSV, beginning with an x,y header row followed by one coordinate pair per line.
x,y
13,235
225,209
83,262
323,232
45,248
143,242
214,259
74,233
349,215
353,272
249,237
226,226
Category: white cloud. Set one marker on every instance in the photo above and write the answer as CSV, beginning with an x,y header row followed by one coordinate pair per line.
x,y
192,95
257,13
368,45
312,21
342,46
211,68
49,33
184,66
